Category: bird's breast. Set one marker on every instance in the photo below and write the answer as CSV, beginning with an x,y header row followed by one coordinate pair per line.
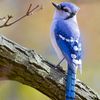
x,y
53,41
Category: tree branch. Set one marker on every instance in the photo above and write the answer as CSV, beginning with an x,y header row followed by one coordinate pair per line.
x,y
26,66
6,20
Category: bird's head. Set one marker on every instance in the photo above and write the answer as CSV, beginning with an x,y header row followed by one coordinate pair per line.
x,y
65,10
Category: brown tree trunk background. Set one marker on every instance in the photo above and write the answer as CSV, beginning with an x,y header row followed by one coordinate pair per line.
x,y
26,66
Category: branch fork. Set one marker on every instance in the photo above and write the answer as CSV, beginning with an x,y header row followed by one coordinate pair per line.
x,y
9,17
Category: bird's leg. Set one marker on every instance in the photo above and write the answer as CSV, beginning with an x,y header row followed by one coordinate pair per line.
x,y
60,62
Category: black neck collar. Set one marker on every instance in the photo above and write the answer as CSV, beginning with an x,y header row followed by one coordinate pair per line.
x,y
70,16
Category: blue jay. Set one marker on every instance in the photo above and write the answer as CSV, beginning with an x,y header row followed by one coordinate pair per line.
x,y
65,38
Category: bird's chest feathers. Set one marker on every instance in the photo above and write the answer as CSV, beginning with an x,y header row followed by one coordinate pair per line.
x,y
53,41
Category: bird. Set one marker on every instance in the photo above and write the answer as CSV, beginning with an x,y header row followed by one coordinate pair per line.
x,y
66,40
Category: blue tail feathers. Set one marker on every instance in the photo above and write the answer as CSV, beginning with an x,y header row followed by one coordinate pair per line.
x,y
70,84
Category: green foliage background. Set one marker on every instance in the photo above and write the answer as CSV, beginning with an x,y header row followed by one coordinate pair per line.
x,y
33,32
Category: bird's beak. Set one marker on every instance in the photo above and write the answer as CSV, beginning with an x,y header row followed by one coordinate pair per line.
x,y
56,5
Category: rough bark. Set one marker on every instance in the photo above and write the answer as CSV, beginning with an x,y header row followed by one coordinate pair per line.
x,y
27,67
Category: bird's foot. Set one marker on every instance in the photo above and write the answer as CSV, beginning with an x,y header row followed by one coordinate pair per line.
x,y
58,65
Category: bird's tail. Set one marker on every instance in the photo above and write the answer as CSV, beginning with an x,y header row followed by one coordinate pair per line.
x,y
70,83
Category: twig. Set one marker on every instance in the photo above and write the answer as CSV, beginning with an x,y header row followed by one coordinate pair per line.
x,y
28,13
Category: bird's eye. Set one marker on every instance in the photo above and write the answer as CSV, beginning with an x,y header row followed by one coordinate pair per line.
x,y
66,10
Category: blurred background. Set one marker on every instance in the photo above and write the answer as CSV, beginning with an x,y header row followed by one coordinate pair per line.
x,y
33,32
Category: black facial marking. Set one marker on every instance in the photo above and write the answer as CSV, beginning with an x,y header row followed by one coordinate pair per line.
x,y
70,16
66,10
62,8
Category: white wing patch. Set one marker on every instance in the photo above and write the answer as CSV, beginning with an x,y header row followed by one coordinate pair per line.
x,y
77,62
67,40
63,38
73,56
75,48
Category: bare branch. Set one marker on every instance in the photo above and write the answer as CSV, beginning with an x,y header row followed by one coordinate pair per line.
x,y
20,64
8,18
28,13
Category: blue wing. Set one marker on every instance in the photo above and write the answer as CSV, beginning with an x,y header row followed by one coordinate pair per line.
x,y
68,41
